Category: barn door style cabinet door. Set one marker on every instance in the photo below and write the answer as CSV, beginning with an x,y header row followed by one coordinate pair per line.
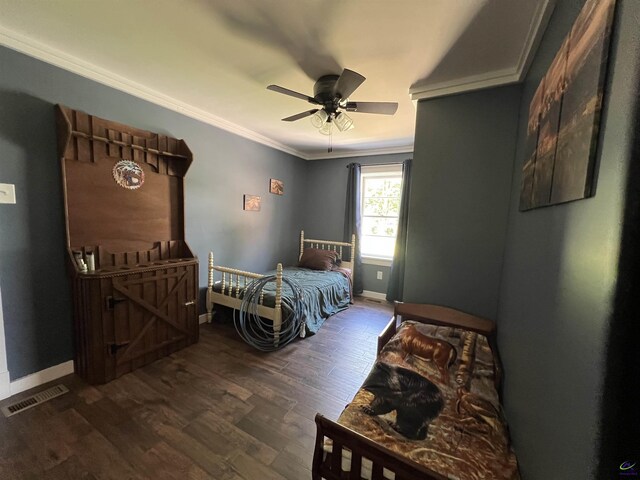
x,y
135,279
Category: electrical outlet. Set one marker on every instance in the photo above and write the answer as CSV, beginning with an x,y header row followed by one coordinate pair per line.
x,y
379,275
7,193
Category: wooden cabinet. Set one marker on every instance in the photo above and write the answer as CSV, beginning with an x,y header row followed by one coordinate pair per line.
x,y
124,206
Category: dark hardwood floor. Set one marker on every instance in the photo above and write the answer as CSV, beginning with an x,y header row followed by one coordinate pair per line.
x,y
217,409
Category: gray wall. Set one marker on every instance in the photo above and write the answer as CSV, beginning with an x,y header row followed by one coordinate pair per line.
x,y
370,280
461,183
559,274
326,192
36,296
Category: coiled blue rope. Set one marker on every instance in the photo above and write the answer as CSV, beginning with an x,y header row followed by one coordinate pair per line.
x,y
257,331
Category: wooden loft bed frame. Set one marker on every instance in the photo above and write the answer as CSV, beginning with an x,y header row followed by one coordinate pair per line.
x,y
234,280
329,465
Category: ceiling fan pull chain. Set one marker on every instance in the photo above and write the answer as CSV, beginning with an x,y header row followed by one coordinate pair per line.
x,y
330,149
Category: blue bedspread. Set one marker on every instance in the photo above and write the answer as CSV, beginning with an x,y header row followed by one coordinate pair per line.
x,y
324,293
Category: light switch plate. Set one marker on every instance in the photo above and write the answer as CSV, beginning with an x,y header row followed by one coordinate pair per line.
x,y
379,275
7,193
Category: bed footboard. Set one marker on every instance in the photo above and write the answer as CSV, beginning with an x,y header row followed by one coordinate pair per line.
x,y
233,281
375,458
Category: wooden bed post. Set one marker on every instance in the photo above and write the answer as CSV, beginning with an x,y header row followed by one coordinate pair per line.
x,y
210,289
353,248
301,244
277,321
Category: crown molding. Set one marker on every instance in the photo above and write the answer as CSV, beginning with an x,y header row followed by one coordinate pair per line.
x,y
495,78
58,58
466,84
359,153
537,27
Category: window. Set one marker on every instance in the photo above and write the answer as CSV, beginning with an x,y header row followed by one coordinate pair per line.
x,y
381,190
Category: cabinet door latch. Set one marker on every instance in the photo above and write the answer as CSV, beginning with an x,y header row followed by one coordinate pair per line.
x,y
114,347
111,302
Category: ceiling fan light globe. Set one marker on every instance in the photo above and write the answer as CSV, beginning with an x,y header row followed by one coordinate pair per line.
x,y
343,122
319,119
326,128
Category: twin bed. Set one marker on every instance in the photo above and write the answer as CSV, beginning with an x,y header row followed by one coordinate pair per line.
x,y
430,408
325,291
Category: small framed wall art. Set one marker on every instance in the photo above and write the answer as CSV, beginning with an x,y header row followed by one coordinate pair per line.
x,y
252,203
276,186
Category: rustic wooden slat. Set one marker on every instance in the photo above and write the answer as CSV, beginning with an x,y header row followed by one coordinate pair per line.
x,y
101,365
151,340
84,146
163,291
376,472
336,457
113,149
171,307
356,466
126,149
95,334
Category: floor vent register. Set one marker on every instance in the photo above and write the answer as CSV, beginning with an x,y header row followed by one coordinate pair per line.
x,y
33,400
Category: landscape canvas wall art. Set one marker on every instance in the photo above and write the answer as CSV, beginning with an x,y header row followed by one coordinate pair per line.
x,y
564,114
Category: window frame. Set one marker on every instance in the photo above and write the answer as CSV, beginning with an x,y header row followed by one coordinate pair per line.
x,y
377,171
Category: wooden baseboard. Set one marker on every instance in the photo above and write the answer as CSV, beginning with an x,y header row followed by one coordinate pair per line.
x,y
202,318
41,377
5,385
375,295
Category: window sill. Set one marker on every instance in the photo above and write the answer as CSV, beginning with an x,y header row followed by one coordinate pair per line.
x,y
381,262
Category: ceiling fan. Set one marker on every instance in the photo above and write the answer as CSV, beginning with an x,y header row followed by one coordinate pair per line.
x,y
331,93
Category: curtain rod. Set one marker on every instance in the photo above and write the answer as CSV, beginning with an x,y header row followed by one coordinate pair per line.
x,y
380,164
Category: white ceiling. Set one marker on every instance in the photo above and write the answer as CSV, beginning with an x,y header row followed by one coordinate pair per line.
x,y
212,59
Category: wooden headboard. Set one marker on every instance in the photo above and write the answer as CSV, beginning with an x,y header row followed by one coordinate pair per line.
x,y
331,245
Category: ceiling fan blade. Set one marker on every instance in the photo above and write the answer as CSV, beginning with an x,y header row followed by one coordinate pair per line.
x,y
347,83
291,93
298,116
384,108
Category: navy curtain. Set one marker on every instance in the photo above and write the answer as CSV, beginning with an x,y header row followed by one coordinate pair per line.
x,y
396,278
353,221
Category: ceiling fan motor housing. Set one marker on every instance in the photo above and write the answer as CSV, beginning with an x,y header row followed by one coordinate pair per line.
x,y
324,92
